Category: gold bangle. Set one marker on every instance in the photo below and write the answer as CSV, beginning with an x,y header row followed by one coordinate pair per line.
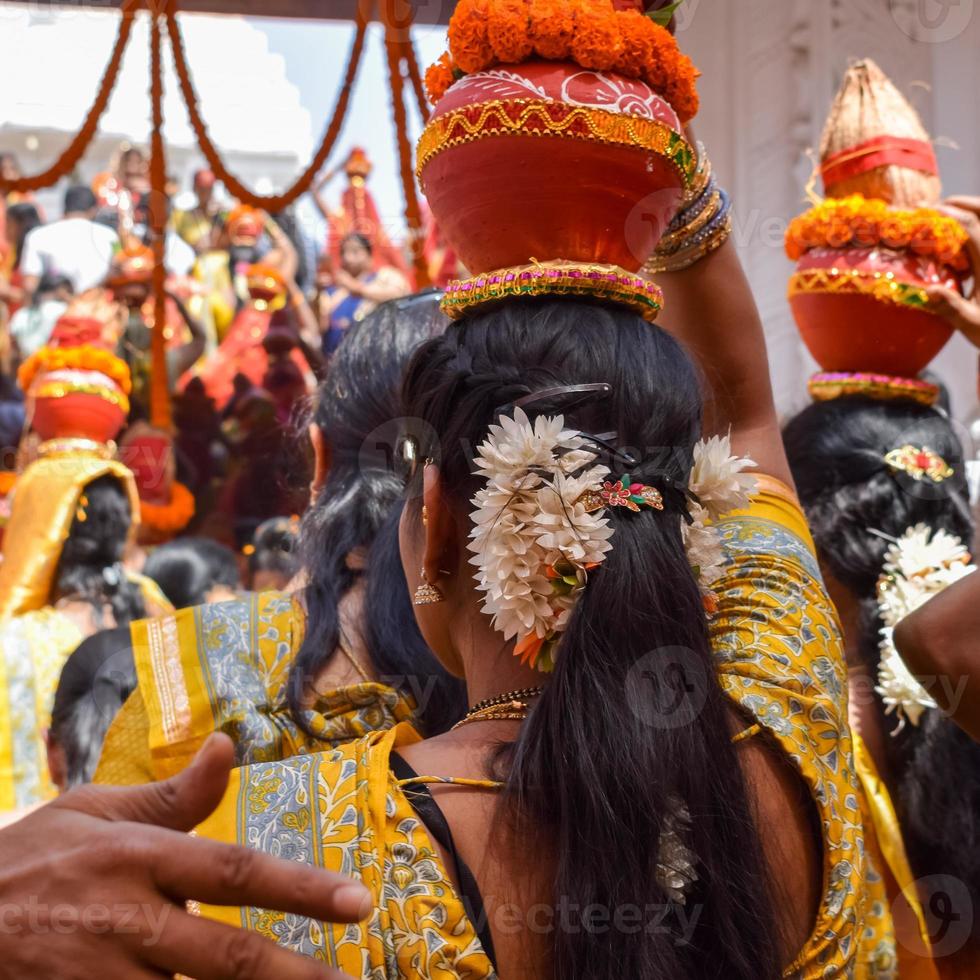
x,y
699,181
680,261
675,239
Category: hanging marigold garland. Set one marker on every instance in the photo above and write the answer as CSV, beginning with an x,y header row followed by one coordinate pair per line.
x,y
75,150
159,380
273,202
415,76
395,49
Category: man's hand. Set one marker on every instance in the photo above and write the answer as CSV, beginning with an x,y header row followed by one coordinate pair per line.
x,y
963,312
95,883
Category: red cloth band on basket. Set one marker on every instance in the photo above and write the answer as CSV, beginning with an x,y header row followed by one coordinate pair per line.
x,y
882,151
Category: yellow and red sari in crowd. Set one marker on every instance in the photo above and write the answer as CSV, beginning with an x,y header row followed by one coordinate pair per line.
x,y
36,638
779,656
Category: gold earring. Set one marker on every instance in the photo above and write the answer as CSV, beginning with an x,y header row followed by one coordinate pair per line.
x,y
426,594
425,516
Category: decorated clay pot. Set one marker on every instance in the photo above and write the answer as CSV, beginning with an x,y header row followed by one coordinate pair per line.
x,y
77,415
594,166
865,309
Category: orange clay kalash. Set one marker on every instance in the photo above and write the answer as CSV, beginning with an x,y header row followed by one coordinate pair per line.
x,y
534,88
868,254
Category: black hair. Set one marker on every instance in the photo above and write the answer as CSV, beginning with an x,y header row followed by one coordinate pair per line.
x,y
275,548
95,683
90,567
28,218
836,450
187,569
79,198
361,239
51,282
590,780
358,411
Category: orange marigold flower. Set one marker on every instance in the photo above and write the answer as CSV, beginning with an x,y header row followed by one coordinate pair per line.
x,y
551,25
597,44
839,233
592,33
681,88
468,40
895,233
864,231
662,53
508,30
439,77
82,358
636,31
170,518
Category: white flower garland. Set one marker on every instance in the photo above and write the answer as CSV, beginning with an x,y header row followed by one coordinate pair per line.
x,y
918,566
535,539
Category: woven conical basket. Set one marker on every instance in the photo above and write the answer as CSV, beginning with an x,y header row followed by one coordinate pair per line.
x,y
867,106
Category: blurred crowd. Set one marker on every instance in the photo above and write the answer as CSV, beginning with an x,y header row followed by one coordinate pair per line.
x,y
255,309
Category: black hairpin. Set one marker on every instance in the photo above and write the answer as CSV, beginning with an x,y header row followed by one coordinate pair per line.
x,y
585,393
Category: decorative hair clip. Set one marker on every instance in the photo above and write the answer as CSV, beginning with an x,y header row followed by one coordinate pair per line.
x,y
920,464
622,493
81,514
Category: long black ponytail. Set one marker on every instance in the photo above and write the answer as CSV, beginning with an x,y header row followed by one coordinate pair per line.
x,y
358,411
598,767
855,504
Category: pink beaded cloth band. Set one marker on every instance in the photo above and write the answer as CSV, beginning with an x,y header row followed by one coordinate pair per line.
x,y
827,386
607,283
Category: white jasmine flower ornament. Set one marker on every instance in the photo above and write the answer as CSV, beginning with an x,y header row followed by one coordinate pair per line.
x,y
540,524
918,566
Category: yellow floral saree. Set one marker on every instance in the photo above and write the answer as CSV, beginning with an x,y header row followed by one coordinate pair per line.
x,y
779,657
224,667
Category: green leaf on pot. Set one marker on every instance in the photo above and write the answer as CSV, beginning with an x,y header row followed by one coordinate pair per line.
x,y
664,14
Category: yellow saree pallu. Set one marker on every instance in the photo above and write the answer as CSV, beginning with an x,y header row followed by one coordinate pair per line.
x,y
344,810
779,656
35,638
224,667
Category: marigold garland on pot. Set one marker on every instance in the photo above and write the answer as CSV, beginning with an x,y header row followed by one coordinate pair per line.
x,y
83,358
592,33
172,517
861,222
